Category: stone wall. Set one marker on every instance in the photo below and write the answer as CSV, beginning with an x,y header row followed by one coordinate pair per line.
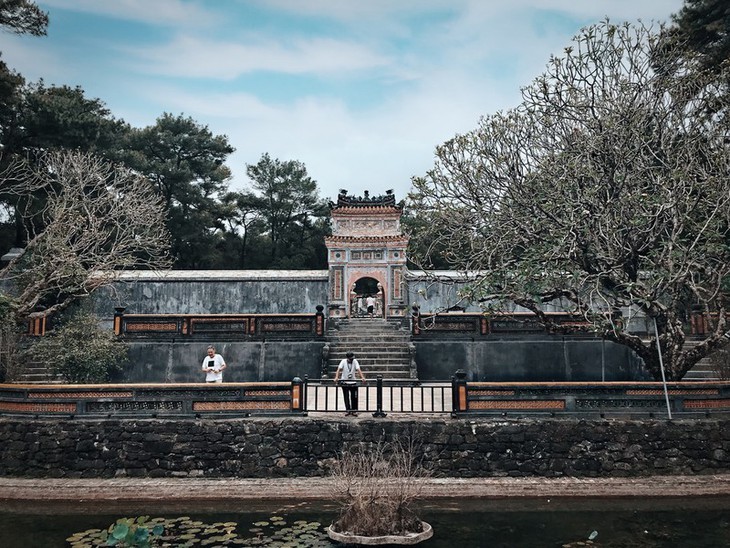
x,y
268,447
528,358
214,292
177,361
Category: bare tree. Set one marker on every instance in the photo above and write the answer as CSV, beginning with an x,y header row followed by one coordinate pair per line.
x,y
91,220
606,191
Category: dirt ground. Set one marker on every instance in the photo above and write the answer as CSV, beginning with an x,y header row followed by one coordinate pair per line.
x,y
187,489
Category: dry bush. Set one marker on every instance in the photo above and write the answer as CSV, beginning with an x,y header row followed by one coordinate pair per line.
x,y
376,485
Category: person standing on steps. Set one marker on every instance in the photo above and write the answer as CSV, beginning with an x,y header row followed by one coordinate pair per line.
x,y
347,370
213,366
370,302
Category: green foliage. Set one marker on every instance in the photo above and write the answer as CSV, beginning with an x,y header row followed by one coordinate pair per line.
x,y
185,162
182,532
23,17
704,27
295,221
80,350
8,338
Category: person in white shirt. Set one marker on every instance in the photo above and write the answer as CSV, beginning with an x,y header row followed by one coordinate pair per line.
x,y
213,365
347,370
370,302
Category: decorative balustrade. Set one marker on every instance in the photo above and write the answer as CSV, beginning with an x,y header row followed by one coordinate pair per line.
x,y
579,398
466,323
212,326
154,400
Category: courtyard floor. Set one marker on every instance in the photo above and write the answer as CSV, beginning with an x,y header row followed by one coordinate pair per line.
x,y
187,489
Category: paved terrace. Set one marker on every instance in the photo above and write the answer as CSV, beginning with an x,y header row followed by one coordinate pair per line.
x,y
199,489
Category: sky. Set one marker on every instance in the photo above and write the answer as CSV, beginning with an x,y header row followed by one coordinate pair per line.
x,y
361,92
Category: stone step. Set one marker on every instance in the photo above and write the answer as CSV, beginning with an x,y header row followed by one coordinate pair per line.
x,y
367,352
381,347
363,358
369,337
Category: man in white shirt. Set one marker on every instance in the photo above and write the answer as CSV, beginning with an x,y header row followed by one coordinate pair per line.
x,y
213,365
347,370
370,302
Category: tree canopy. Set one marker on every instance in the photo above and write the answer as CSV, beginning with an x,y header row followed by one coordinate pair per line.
x,y
186,163
96,219
703,26
23,17
606,191
294,219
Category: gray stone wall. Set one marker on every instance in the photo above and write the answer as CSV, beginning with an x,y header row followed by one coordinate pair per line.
x,y
214,292
260,447
528,358
255,361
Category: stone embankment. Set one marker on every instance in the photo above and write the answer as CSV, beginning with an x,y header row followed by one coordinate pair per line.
x,y
306,447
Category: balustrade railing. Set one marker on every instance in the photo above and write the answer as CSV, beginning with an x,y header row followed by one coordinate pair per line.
x,y
154,400
219,325
581,398
379,397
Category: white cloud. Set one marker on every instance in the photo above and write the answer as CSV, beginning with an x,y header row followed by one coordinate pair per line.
x,y
158,12
195,57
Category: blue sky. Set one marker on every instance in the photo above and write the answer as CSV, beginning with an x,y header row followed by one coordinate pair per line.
x,y
361,92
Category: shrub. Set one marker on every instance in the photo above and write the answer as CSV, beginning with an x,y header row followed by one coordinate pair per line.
x,y
376,485
9,337
80,350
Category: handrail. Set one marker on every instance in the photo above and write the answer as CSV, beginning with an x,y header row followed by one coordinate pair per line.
x,y
153,400
217,325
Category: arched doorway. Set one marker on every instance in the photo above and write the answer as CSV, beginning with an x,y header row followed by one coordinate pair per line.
x,y
361,290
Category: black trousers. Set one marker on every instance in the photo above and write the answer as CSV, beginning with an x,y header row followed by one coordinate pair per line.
x,y
349,391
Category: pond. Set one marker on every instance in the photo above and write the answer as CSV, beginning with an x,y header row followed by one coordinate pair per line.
x,y
686,522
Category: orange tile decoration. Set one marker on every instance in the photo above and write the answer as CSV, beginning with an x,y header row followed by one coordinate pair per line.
x,y
517,404
649,392
706,404
239,405
28,407
78,395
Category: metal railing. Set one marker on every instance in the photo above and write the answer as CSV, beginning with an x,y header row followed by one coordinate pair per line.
x,y
381,396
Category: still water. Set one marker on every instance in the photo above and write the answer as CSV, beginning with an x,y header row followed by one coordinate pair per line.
x,y
674,522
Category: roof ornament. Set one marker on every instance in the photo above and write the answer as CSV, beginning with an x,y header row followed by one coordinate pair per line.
x,y
346,200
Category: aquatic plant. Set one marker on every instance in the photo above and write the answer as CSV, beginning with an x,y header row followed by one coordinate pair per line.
x,y
185,532
376,485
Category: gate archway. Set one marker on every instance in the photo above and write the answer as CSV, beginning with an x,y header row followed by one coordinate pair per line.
x,y
361,290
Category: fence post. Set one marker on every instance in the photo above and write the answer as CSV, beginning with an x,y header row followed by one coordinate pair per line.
x,y
304,393
415,320
458,396
379,397
319,321
297,395
118,314
37,324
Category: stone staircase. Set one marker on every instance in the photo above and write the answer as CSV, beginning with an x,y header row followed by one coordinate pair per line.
x,y
381,347
35,373
702,370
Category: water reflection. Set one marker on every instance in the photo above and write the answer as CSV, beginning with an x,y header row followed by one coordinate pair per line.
x,y
694,522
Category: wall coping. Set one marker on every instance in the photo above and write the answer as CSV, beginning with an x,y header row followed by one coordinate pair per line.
x,y
220,275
